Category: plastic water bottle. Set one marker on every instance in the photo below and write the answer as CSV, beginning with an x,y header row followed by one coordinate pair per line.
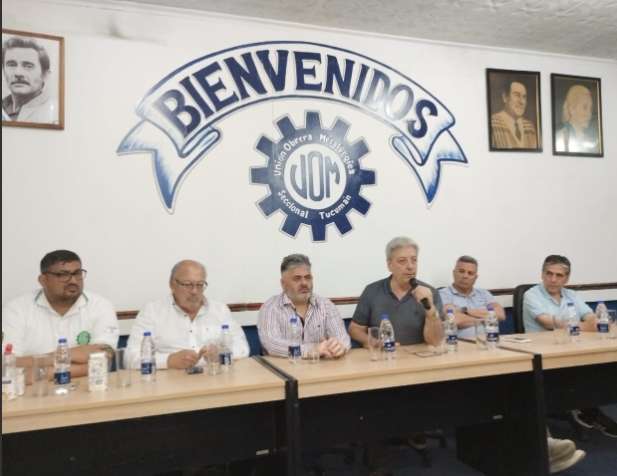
x,y
148,360
574,325
386,333
451,332
603,320
225,353
295,340
492,328
62,367
9,373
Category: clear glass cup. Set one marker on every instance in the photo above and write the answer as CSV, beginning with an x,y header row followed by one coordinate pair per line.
x,y
211,355
123,368
20,381
374,343
310,352
480,333
560,329
41,372
612,324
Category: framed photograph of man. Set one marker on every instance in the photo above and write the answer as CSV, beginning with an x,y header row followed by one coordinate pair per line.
x,y
514,114
32,80
577,115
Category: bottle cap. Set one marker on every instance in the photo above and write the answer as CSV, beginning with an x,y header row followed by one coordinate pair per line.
x,y
62,340
225,326
384,316
8,349
490,307
147,333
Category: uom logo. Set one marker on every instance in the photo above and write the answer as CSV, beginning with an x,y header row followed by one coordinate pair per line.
x,y
313,175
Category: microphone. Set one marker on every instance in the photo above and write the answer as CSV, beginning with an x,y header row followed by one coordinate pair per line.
x,y
413,282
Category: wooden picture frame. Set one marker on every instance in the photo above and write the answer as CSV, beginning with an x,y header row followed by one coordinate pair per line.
x,y
514,110
32,80
577,115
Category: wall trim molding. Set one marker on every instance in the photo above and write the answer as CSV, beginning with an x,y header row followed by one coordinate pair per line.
x,y
254,306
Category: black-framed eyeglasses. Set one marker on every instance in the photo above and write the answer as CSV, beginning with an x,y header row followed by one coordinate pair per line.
x,y
65,276
199,285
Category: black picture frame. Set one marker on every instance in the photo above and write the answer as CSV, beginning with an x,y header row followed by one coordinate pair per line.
x,y
46,109
514,110
577,115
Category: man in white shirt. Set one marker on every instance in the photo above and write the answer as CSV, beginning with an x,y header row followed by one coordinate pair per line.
x,y
34,322
184,321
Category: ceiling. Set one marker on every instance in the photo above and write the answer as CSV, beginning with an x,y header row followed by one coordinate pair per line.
x,y
573,27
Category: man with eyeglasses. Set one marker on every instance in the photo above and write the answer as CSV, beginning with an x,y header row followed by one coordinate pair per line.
x,y
183,322
551,298
34,322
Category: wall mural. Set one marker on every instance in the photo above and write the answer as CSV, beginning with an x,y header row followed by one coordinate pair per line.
x,y
312,173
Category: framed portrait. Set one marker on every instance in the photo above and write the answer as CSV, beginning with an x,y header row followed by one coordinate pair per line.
x,y
577,115
32,80
514,114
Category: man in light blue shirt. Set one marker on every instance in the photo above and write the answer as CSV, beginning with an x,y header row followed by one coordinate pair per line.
x,y
469,303
551,298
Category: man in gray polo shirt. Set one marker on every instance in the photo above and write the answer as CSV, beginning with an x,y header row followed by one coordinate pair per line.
x,y
394,296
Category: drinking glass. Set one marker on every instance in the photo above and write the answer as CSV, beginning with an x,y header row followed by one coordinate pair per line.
x,y
211,355
560,328
123,368
612,324
480,328
310,352
374,343
41,367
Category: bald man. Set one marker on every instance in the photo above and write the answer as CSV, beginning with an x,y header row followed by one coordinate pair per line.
x,y
184,321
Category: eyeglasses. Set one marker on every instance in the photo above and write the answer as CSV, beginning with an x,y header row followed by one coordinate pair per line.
x,y
199,286
65,276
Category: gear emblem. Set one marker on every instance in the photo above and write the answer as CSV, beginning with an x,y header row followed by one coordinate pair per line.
x,y
314,175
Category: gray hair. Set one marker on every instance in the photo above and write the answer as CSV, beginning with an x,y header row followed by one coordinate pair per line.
x,y
294,260
399,242
179,264
467,259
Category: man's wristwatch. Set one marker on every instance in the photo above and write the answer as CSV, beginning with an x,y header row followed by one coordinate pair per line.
x,y
464,310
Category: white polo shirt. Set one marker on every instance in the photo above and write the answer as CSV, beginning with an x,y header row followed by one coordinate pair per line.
x,y
34,327
173,330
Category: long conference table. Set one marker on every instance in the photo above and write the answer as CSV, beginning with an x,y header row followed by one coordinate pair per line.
x,y
496,400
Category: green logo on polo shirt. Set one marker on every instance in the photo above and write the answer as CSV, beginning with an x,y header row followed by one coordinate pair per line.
x,y
83,338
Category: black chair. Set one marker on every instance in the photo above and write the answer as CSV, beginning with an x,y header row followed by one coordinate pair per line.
x,y
517,307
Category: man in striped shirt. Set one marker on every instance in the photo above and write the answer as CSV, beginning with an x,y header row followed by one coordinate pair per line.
x,y
320,319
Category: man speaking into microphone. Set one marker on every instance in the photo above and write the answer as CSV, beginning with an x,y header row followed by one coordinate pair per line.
x,y
413,307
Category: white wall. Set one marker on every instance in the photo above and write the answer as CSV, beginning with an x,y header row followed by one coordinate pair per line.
x,y
69,189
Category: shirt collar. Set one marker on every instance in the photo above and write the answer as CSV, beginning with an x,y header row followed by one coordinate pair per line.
x,y
453,290
41,300
562,294
181,312
388,288
285,301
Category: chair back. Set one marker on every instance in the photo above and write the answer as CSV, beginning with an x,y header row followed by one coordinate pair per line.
x,y
517,307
